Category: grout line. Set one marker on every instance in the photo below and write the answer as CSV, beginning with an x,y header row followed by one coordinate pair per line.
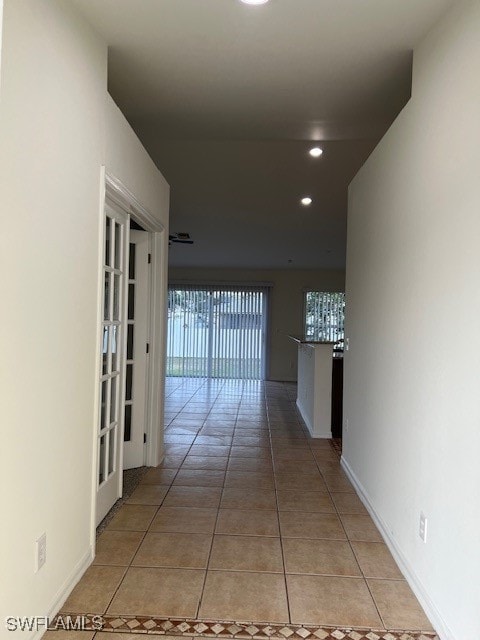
x,y
274,400
202,591
142,541
278,520
348,539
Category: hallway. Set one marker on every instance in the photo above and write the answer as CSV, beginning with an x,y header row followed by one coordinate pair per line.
x,y
247,520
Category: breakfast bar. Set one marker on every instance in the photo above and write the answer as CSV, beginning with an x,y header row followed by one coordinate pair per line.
x,y
314,391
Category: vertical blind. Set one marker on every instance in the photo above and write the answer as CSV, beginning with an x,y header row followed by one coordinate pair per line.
x,y
324,316
216,332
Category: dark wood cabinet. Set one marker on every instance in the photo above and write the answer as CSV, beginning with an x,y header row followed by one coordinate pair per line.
x,y
337,397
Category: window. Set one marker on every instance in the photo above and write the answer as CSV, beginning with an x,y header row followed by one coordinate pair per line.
x,y
324,316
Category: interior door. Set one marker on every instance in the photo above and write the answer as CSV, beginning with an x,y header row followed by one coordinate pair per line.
x,y
111,374
137,351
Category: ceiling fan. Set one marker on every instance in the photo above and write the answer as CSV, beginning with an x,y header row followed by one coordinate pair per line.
x,y
181,238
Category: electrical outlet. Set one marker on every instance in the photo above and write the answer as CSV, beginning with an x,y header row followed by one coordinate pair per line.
x,y
423,527
346,424
346,344
41,552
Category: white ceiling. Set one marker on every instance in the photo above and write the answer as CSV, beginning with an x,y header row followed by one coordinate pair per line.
x,y
226,98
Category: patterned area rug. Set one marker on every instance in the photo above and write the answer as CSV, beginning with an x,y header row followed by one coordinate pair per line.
x,y
131,479
174,628
337,445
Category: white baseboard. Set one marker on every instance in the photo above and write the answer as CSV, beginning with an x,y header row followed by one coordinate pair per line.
x,y
66,589
162,459
415,584
309,425
305,418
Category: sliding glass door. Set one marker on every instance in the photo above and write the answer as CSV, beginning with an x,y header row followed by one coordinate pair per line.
x,y
216,332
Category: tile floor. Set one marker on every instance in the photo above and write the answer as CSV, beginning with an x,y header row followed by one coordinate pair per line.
x,y
247,520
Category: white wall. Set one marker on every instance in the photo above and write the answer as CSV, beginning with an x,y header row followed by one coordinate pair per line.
x,y
413,303
54,73
1,34
314,395
127,160
53,141
286,305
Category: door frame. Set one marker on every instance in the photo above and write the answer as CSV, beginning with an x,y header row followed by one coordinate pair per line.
x,y
134,448
115,192
109,486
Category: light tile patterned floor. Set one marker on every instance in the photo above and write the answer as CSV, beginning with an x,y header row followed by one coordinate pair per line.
x,y
250,521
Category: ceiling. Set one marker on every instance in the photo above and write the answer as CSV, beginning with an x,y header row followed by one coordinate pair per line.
x,y
228,99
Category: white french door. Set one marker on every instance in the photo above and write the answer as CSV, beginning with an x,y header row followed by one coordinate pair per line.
x,y
112,365
137,351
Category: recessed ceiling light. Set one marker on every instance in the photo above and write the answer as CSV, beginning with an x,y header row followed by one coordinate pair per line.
x,y
316,152
254,1
307,201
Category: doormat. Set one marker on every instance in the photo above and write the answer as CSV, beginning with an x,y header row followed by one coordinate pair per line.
x,y
337,445
131,480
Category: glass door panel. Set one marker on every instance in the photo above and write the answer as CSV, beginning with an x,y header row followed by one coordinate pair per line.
x,y
111,364
137,356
